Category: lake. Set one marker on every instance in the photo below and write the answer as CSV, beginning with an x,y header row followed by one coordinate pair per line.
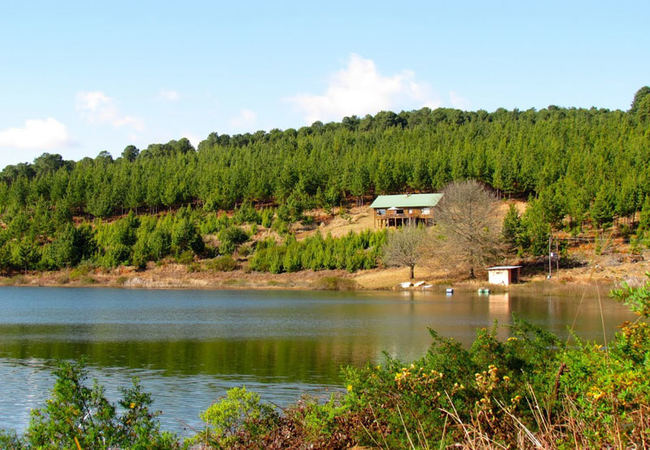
x,y
189,346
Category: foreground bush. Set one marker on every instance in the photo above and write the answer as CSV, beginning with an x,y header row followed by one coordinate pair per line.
x,y
79,417
530,391
521,393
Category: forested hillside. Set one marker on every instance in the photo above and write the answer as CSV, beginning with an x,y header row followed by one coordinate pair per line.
x,y
576,165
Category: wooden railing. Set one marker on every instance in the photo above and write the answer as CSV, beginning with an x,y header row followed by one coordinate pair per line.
x,y
405,215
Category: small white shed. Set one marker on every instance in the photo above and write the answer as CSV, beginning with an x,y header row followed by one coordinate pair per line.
x,y
503,275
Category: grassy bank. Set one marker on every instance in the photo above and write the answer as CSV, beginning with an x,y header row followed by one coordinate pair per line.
x,y
176,276
574,281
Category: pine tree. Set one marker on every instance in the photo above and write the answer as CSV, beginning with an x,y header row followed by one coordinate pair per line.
x,y
603,207
512,226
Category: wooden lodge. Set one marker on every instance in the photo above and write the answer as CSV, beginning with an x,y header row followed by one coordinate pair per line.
x,y
404,209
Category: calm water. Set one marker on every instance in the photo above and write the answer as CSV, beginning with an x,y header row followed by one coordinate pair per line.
x,y
189,347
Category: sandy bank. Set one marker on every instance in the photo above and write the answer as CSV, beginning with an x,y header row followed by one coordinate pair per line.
x,y
176,276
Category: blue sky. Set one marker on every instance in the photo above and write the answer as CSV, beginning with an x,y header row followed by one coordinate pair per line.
x,y
77,78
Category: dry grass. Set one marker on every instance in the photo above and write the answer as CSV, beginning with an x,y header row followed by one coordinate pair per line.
x,y
358,219
176,276
566,430
569,282
391,277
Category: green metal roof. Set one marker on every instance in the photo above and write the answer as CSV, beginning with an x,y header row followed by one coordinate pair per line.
x,y
406,201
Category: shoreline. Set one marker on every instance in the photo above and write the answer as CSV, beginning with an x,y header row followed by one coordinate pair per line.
x,y
576,281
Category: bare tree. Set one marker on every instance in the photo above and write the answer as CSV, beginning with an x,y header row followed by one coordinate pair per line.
x,y
469,223
405,247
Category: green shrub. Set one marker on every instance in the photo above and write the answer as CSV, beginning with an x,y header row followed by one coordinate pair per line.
x,y
239,412
185,236
280,226
224,263
63,279
186,257
115,255
10,441
230,238
335,284
246,214
636,298
83,269
245,250
284,213
87,279
77,416
15,280
267,218
194,267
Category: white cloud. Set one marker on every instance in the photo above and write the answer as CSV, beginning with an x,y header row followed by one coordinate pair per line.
x,y
97,107
36,134
360,89
245,118
194,140
458,102
169,95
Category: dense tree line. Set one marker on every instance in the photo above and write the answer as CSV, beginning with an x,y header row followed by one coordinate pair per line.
x,y
180,236
575,158
351,252
36,243
576,165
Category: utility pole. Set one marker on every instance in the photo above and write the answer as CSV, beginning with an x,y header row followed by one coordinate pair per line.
x,y
550,256
553,255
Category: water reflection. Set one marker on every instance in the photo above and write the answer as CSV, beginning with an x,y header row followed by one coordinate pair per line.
x,y
499,306
26,385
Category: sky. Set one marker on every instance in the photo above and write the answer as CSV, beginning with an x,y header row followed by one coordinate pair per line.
x,y
78,78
